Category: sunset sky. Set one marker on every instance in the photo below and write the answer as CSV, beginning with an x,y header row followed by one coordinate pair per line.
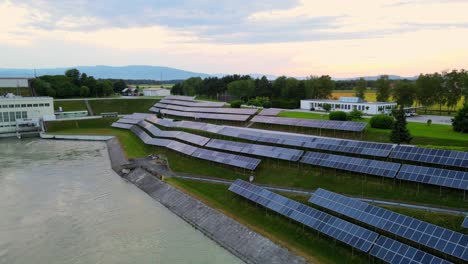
x,y
296,38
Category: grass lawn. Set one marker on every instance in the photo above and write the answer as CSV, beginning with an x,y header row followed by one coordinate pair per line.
x,y
437,135
122,106
317,249
78,105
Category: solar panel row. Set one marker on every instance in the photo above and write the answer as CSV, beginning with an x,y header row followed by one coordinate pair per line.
x,y
222,110
270,112
465,222
192,103
367,166
429,235
312,123
258,150
138,116
394,252
121,125
180,135
180,98
432,156
210,155
226,117
434,176
128,121
344,231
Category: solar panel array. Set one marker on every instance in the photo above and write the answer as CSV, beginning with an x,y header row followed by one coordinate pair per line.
x,y
225,158
222,110
432,156
434,176
344,231
180,135
270,112
258,150
394,252
138,116
226,117
128,121
367,166
312,123
465,222
192,103
429,235
121,125
180,97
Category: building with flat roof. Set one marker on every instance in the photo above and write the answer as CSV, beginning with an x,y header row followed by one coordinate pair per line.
x,y
156,92
19,113
348,104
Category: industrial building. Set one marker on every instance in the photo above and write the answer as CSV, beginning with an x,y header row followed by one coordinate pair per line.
x,y
156,92
348,104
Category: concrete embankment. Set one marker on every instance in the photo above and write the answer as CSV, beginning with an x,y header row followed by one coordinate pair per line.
x,y
246,244
76,137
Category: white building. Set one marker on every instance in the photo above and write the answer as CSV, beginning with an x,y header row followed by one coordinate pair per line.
x,y
156,92
13,82
24,113
348,104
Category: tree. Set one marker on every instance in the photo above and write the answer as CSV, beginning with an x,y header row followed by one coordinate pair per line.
x,y
404,93
326,107
360,90
84,91
318,87
427,86
289,90
453,86
278,86
383,88
74,75
399,132
119,85
242,89
177,89
40,87
192,85
460,121
263,87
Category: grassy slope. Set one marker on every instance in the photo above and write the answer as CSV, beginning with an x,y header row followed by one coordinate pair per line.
x,y
70,105
435,134
122,106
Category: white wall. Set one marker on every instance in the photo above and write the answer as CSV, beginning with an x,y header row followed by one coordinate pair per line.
x,y
373,108
12,83
160,92
23,107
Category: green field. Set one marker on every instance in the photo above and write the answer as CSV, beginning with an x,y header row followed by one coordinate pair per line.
x,y
74,105
441,135
23,91
122,106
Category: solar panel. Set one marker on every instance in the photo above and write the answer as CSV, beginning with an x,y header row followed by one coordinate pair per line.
x,y
138,116
181,147
180,135
228,159
180,97
432,156
193,103
258,150
121,125
312,123
128,121
270,112
367,166
429,235
227,117
394,252
434,176
465,222
222,110
344,231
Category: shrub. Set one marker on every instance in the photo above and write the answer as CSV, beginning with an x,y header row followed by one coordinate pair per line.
x,y
267,104
355,115
286,104
327,107
338,115
381,121
460,121
236,104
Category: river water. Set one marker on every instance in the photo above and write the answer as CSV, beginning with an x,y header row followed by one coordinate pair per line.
x,y
61,203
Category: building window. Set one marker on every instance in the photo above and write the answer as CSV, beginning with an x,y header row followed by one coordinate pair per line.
x,y
47,105
5,117
18,115
1,118
35,105
23,105
29,105
11,106
12,117
41,105
24,114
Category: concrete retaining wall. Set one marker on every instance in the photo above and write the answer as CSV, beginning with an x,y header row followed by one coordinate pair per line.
x,y
76,137
249,246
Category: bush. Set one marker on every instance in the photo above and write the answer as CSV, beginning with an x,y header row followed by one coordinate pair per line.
x,y
381,121
286,104
236,104
327,107
267,104
355,115
338,115
460,121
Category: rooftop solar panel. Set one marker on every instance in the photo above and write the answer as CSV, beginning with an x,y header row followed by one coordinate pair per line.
x,y
434,176
312,123
258,150
465,222
367,166
394,252
228,159
121,125
270,112
429,235
192,104
227,117
346,232
431,156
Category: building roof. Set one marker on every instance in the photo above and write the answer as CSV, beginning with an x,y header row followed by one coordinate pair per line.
x,y
341,102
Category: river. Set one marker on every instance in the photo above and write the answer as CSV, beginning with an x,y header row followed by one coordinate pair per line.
x,y
60,202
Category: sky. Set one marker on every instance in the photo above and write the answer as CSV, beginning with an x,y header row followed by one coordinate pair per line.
x,y
280,37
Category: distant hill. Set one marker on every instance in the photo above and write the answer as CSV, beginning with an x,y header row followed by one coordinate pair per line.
x,y
119,72
142,72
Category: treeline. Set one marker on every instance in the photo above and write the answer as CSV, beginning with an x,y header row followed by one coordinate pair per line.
x,y
75,84
284,92
441,89
146,81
